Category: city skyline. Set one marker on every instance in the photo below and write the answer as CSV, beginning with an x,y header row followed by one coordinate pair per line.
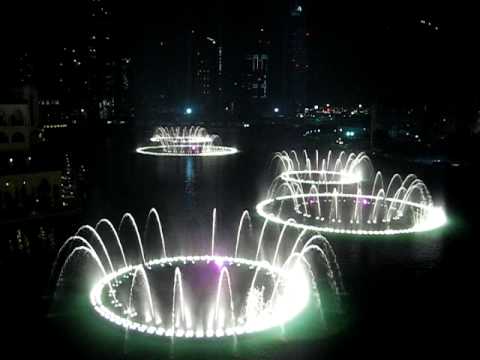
x,y
348,55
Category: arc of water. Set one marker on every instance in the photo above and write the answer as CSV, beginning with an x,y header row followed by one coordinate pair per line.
x,y
71,239
285,161
295,156
153,212
394,203
297,241
298,257
314,191
224,274
379,204
97,237
129,217
330,274
140,269
377,183
308,163
329,155
357,217
324,242
214,220
408,180
394,181
115,234
177,283
89,250
245,214
260,239
279,241
329,258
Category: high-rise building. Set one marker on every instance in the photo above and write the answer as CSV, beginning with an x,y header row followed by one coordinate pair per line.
x,y
256,76
87,81
204,69
109,69
256,69
296,58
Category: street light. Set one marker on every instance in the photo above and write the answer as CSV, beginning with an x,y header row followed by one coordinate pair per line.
x,y
276,110
188,110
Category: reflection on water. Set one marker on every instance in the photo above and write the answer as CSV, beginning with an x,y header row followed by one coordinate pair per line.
x,y
186,190
190,183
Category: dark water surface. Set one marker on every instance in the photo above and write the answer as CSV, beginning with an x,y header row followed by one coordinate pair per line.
x,y
408,297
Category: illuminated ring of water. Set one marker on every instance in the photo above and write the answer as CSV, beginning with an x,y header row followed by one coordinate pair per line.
x,y
435,217
200,140
146,328
344,178
211,150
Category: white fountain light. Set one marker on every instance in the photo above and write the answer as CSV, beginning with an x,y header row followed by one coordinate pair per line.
x,y
304,171
291,301
252,294
186,150
177,141
342,194
428,217
320,177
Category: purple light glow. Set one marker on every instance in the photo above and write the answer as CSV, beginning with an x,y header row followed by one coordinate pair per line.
x,y
219,263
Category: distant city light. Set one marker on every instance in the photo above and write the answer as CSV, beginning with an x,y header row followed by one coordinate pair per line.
x,y
315,107
212,40
188,111
276,109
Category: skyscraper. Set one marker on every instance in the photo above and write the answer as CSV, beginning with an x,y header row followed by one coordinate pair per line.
x,y
296,58
256,76
88,78
108,68
257,66
204,70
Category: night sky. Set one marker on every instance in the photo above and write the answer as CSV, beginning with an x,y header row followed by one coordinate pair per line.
x,y
361,53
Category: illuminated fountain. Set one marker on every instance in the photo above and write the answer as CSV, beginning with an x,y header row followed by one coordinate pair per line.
x,y
344,195
201,296
185,141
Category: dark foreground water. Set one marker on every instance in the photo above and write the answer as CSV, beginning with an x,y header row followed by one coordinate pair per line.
x,y
407,297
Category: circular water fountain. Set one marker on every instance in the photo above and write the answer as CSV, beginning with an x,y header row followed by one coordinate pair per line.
x,y
342,196
186,141
200,296
215,314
